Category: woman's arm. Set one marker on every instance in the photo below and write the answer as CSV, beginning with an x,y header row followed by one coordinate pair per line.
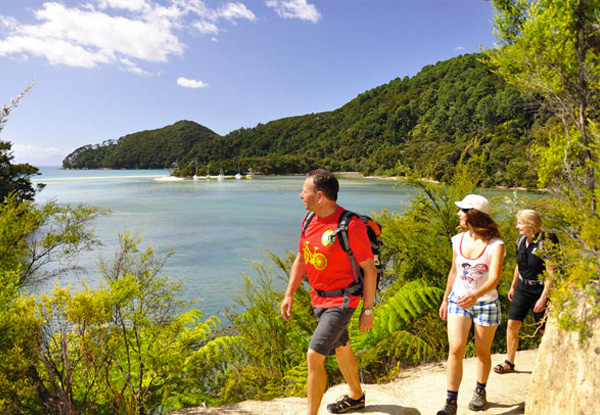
x,y
515,281
540,304
449,284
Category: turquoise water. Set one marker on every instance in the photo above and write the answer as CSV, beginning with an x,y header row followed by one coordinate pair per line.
x,y
215,226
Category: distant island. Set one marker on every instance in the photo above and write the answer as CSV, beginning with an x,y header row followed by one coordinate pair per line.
x,y
423,124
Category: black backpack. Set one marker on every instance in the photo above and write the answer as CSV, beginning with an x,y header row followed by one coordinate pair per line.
x,y
374,233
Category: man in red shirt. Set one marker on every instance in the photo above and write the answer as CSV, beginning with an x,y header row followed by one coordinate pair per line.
x,y
328,267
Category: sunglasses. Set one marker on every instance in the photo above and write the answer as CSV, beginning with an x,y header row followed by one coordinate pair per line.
x,y
465,210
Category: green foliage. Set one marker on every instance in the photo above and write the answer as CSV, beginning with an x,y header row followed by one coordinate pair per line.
x,y
417,243
42,241
15,178
18,327
406,331
175,145
552,49
271,353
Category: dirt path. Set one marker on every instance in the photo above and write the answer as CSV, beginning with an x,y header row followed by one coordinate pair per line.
x,y
418,391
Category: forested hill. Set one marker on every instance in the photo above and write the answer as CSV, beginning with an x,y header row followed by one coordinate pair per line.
x,y
145,150
423,124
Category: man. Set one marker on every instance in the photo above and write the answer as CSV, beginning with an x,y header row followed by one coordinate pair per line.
x,y
329,270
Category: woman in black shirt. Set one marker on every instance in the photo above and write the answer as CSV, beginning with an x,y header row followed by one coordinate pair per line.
x,y
528,291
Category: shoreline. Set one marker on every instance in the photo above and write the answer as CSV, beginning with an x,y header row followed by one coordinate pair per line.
x,y
341,174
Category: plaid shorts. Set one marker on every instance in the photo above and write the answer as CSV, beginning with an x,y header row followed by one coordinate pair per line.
x,y
483,313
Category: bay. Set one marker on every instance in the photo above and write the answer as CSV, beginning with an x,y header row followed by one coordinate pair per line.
x,y
216,227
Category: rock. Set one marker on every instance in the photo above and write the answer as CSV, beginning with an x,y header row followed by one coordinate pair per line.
x,y
566,379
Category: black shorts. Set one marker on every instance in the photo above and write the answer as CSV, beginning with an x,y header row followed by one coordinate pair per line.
x,y
523,301
332,329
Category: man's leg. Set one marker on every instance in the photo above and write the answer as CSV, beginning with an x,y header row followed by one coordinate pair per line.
x,y
349,367
512,339
316,382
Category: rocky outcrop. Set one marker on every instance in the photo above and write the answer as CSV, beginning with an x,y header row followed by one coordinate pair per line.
x,y
566,378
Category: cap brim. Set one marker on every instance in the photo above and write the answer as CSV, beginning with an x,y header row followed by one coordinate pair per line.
x,y
463,205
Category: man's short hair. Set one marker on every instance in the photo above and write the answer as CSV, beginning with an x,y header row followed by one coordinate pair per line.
x,y
324,181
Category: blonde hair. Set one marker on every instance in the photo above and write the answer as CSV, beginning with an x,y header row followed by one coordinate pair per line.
x,y
530,218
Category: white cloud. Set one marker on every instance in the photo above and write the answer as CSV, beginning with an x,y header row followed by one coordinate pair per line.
x,y
130,66
234,11
459,49
127,32
206,28
25,153
132,5
8,22
191,83
295,9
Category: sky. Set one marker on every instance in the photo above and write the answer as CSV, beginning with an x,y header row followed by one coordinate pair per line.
x,y
106,68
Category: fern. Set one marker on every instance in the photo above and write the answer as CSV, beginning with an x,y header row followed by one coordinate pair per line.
x,y
406,331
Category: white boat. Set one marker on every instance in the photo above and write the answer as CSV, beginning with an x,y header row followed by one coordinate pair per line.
x,y
238,176
196,177
221,175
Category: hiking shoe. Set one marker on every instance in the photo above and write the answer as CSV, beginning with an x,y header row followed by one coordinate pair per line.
x,y
449,408
345,404
478,401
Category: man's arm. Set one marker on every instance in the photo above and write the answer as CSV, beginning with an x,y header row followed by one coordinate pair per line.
x,y
296,275
369,288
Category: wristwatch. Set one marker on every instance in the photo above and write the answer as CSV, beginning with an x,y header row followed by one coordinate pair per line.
x,y
368,311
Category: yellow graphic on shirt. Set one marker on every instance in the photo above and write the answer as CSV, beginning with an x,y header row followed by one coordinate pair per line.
x,y
316,259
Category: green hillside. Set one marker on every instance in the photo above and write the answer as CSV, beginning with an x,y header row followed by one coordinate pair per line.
x,y
147,149
421,124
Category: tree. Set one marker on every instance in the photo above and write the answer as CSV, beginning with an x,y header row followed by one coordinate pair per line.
x,y
41,241
15,178
551,49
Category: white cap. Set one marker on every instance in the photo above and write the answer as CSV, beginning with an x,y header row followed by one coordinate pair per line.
x,y
476,202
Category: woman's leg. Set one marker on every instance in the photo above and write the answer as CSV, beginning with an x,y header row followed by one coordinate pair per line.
x,y
458,333
512,339
484,337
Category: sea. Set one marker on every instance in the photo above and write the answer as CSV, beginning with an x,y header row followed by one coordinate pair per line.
x,y
216,227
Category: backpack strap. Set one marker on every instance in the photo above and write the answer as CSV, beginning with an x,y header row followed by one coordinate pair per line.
x,y
307,218
520,241
342,235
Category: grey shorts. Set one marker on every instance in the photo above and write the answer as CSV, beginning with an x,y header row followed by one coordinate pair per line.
x,y
332,329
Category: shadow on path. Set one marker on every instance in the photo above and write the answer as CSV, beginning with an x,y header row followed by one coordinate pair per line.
x,y
390,409
519,409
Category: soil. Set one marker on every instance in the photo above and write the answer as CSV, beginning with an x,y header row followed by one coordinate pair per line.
x,y
417,391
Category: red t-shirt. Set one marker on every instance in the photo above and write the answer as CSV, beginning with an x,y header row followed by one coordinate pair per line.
x,y
328,267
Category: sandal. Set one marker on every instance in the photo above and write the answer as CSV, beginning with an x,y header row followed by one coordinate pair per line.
x,y
501,368
346,404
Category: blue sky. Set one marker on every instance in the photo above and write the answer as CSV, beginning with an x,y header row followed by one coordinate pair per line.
x,y
107,68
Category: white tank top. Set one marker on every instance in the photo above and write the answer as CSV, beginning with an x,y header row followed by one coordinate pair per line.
x,y
472,273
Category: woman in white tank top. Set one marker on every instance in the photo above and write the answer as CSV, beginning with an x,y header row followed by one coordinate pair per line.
x,y
471,297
